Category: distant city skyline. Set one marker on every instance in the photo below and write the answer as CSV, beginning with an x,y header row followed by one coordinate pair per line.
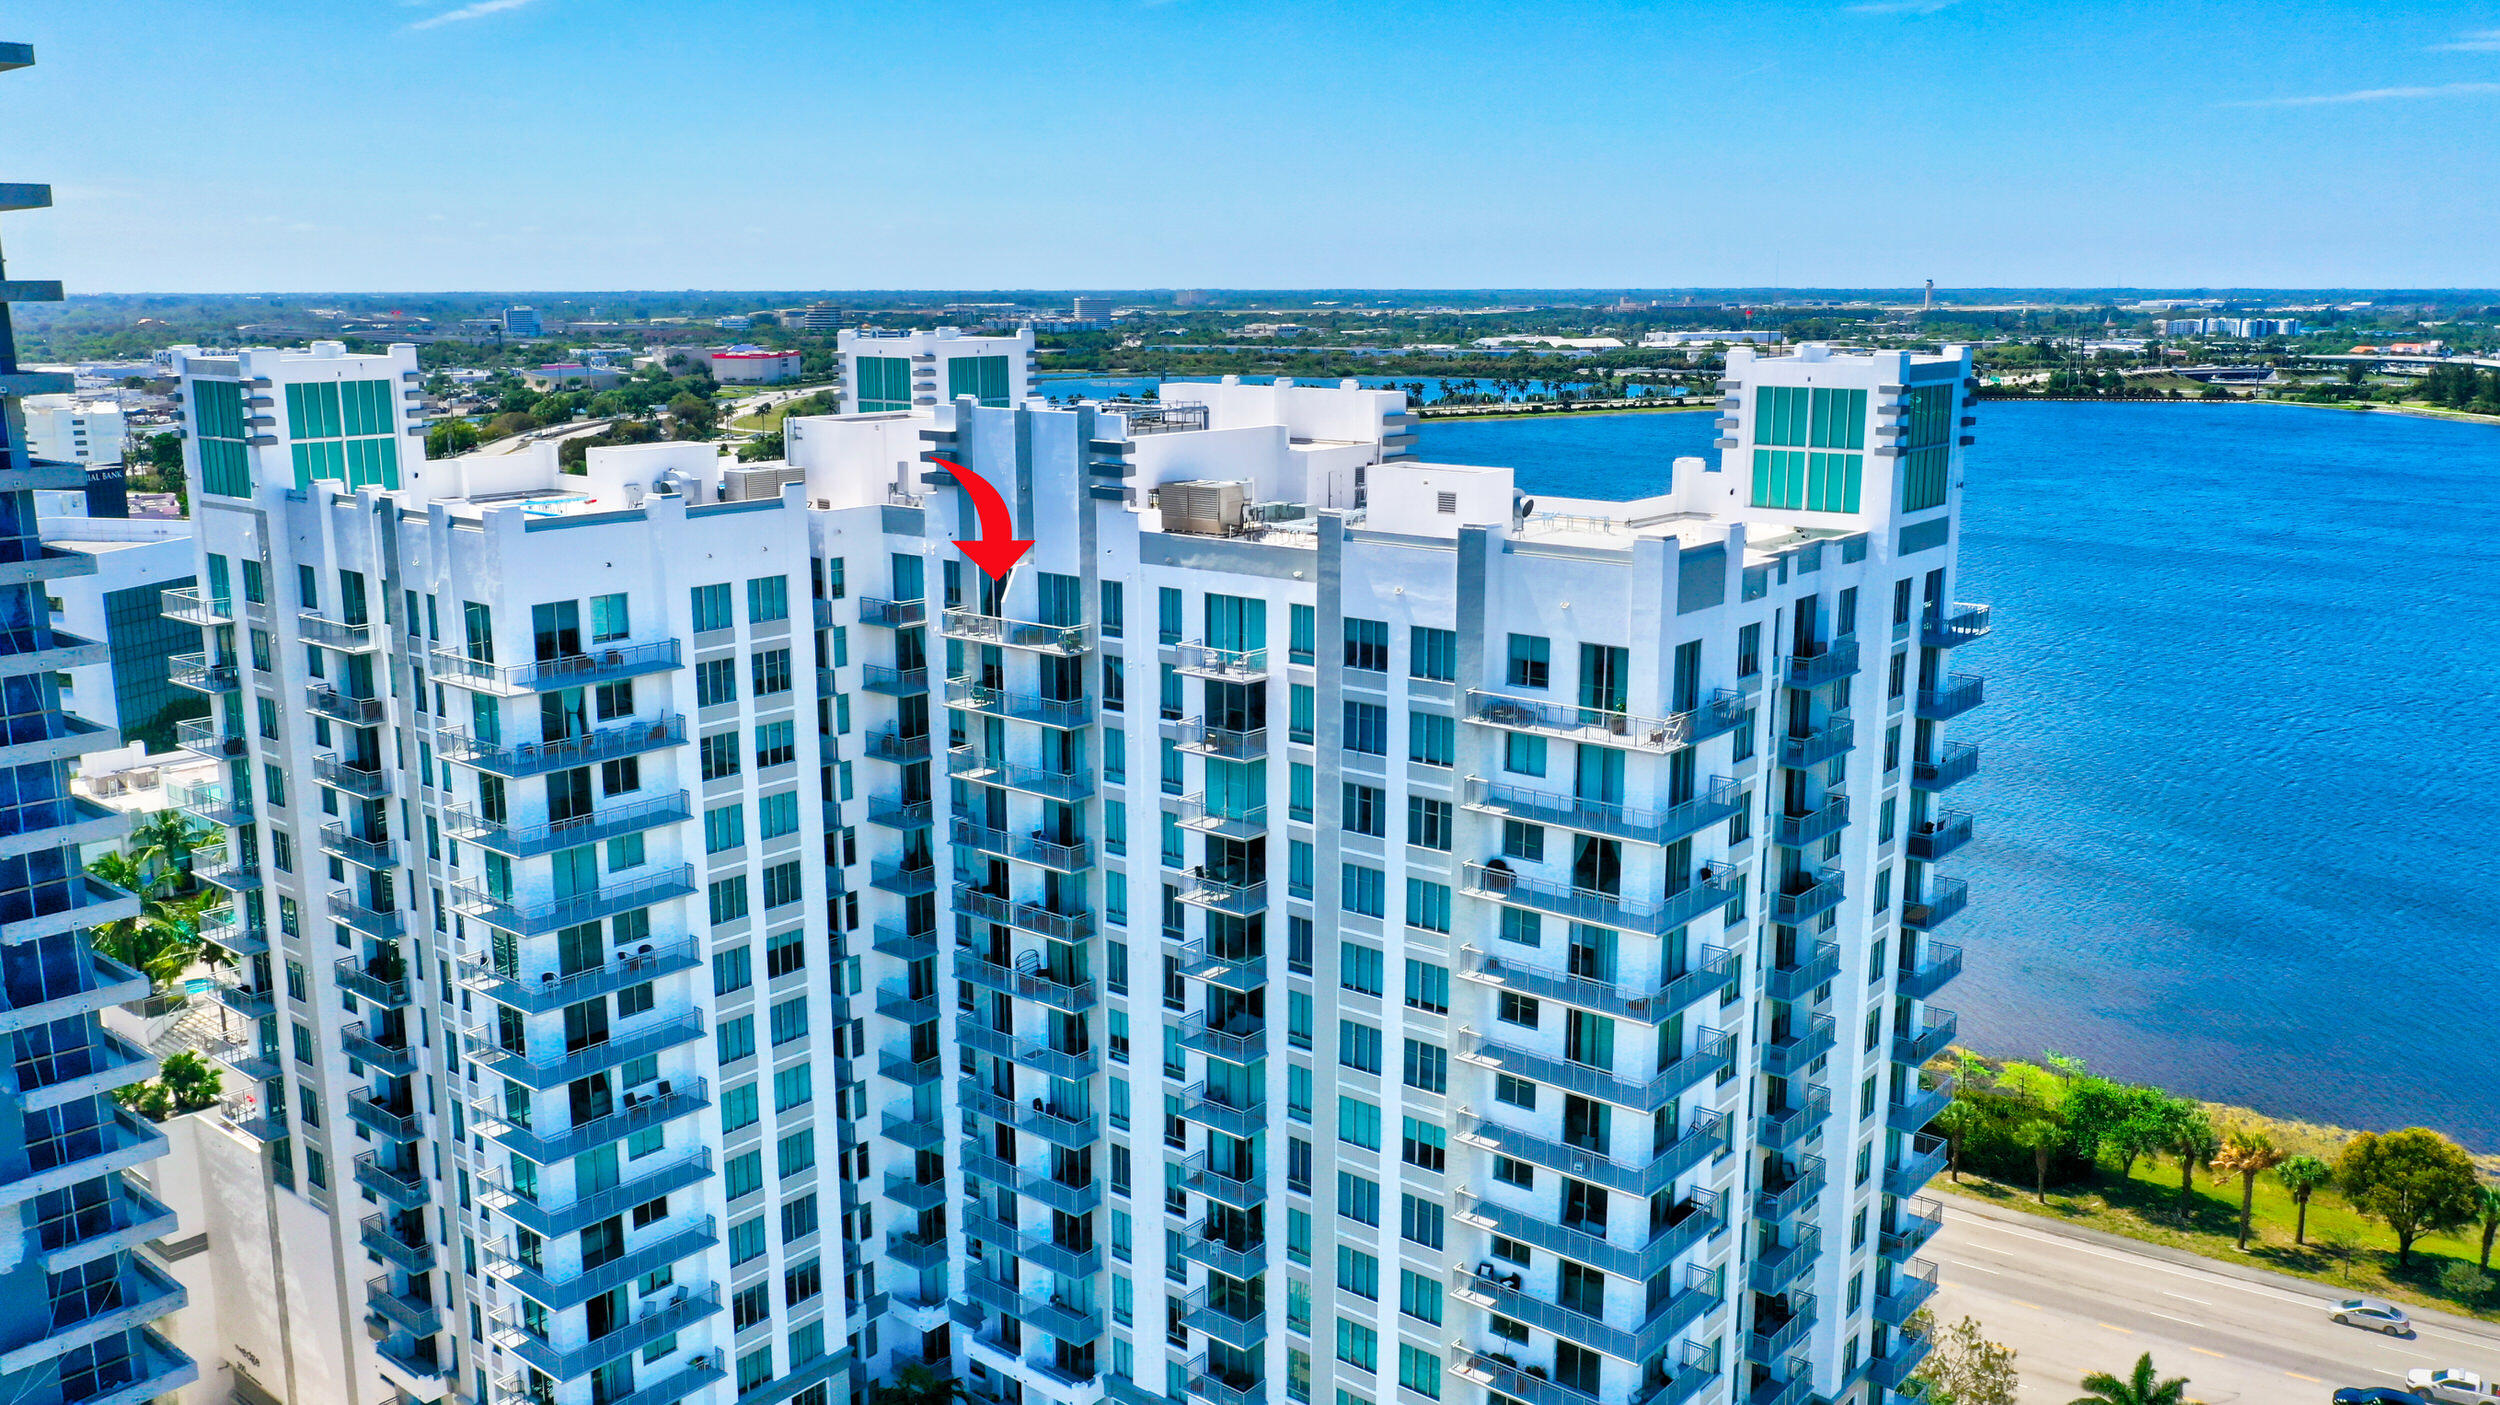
x,y
553,144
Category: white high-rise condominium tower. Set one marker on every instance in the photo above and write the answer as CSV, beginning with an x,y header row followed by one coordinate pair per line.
x,y
78,1293
1324,926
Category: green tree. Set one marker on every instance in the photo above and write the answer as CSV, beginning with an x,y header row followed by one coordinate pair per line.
x,y
193,1081
917,1384
2487,1210
763,446
1955,1122
160,942
2190,1137
162,846
2246,1154
449,438
2041,1134
2416,1180
2302,1176
2141,1387
694,415
1964,1367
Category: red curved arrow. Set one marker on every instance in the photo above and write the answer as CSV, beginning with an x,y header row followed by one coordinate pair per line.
x,y
996,550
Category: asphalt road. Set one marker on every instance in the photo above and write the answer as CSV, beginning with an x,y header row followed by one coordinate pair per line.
x,y
2071,1302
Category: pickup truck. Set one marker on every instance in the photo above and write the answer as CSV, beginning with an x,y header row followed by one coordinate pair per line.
x,y
2453,1387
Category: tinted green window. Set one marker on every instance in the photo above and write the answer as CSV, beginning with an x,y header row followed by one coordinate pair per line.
x,y
1795,479
984,378
1796,417
884,383
224,467
352,431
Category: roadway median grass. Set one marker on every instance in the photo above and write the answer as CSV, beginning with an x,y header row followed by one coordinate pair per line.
x,y
2345,1250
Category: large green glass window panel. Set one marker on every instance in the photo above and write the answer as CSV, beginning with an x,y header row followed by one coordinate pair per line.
x,y
312,410
1801,417
982,377
1923,475
365,408
225,466
1797,480
220,407
1931,416
884,383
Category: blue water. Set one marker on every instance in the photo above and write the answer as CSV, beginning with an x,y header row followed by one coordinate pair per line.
x,y
1435,387
2238,758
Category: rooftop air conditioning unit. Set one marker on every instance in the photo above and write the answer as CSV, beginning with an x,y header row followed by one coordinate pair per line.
x,y
1203,509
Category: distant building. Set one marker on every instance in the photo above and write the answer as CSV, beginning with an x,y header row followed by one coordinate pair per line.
x,y
734,322
906,370
1707,338
1092,310
522,322
70,430
118,605
746,365
2247,328
571,375
1558,343
815,317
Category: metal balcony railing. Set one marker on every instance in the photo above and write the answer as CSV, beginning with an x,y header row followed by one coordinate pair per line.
x,y
1659,825
547,836
1198,659
1948,629
1948,831
602,663
343,707
536,758
1062,713
1828,664
1960,694
1065,640
1204,738
1817,745
1711,974
1799,831
1952,765
537,917
1724,712
1711,889
1943,898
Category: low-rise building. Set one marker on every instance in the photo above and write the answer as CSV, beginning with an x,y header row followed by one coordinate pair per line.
x,y
571,375
523,322
1731,338
747,365
79,430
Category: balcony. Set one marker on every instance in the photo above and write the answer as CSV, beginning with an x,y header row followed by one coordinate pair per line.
x,y
1909,1228
1800,980
1645,1257
891,746
1802,897
1920,1162
192,605
663,1314
1953,765
388,1052
1239,1192
1935,1032
1634,1174
1203,738
1197,659
219,868
892,812
903,881
1688,1381
892,614
675,1239
1782,1197
419,1316
377,1234
518,759
1790,1051
1233,820
1063,713
1210,1246
1892,1370
1242,1040
1821,744
894,682
201,737
1641,825
1799,831
1951,629
1710,890
1700,1292
1059,1129
365,782
646,1184
394,1118
1034,848
549,1069
329,702
602,664
1941,962
1235,1324
251,1002
1776,1335
373,922
903,945
1829,664
1607,727
670,1099
210,803
1023,916
1911,1286
912,1250
1677,992
1960,694
1239,1114
1786,1128
1064,640
1780,1267
966,764
199,674
1713,1052
401,1185
1948,831
1796,1389
335,634
552,990
914,1195
1910,1112
1944,898
356,849
1029,978
1242,973
383,982
899,1066
224,927
531,840
538,918
1223,891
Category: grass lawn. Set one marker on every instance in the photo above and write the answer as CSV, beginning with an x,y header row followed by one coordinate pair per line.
x,y
2345,1250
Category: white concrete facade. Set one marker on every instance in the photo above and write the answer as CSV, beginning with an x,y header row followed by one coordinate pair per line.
x,y
887,372
65,429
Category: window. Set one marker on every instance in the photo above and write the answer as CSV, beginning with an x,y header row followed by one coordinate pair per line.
x,y
1364,811
720,753
715,682
770,671
1367,728
735,1038
724,828
1419,1296
739,1107
1427,986
711,608
789,1020
784,952
1431,739
1419,1370
1427,905
1358,968
1749,651
1531,660
1420,1221
732,969
776,744
1428,823
1114,610
1792,424
1358,1345
1358,1122
1168,615
1358,1046
728,898
746,1240
742,1176
1425,1144
1514,1008
1367,645
1523,754
1358,1273
1365,891
1302,712
1435,653
777,815
1303,624
793,1087
781,885
1523,841
798,1218
1427,1066
1358,1198
984,378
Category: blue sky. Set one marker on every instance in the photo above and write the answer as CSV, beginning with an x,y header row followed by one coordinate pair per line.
x,y
606,144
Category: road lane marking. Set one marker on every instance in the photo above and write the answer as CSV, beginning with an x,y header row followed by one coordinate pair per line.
x,y
2200,1302
2166,1317
2144,1261
2035,1307
2203,1352
2295,1375
2130,1331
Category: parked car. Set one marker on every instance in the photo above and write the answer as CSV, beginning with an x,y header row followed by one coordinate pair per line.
x,y
2377,1395
2373,1314
2452,1387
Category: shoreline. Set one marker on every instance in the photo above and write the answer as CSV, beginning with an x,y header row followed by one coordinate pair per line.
x,y
2423,412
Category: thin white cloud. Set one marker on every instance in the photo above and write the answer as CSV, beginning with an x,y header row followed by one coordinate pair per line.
x,y
2441,90
2478,41
1901,7
479,10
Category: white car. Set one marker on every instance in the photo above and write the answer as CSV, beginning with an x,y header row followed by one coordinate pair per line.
x,y
2373,1314
2453,1387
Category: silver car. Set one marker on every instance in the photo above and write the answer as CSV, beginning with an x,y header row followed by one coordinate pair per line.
x,y
2375,1315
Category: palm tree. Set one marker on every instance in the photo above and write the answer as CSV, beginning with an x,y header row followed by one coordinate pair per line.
x,y
2041,1134
1955,1121
2246,1153
2139,1388
163,939
2487,1210
2302,1176
162,844
2192,1139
